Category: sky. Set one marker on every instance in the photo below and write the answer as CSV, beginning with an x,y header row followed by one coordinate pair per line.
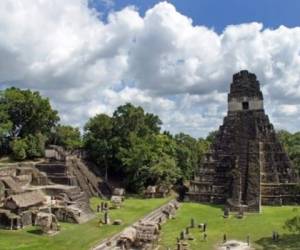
x,y
174,58
218,14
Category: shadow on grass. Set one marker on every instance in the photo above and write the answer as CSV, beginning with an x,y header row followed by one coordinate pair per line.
x,y
35,231
286,241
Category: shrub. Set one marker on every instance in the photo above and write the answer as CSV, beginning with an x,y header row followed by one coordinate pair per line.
x,y
19,147
35,145
293,225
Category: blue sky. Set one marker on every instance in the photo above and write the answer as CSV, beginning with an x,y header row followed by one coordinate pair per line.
x,y
218,14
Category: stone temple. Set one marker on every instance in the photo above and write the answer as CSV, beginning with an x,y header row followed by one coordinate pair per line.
x,y
247,166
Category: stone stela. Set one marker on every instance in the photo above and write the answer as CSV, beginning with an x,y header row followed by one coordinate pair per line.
x,y
247,166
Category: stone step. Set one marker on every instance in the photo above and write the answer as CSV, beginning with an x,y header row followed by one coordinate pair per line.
x,y
51,167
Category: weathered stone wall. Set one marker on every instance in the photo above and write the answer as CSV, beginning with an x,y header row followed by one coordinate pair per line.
x,y
237,104
8,171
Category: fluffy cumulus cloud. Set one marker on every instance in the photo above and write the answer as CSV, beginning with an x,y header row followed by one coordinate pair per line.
x,y
160,61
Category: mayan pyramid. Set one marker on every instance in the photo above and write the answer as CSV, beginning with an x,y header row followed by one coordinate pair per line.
x,y
247,166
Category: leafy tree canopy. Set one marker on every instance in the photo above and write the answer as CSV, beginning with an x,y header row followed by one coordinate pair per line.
x,y
27,111
129,144
291,143
25,118
66,136
99,140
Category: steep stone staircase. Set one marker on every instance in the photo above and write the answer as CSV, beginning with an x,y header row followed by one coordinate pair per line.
x,y
57,172
86,179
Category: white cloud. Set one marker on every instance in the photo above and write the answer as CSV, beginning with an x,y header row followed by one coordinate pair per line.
x,y
161,61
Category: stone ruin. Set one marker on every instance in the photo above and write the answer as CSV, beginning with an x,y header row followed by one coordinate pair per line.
x,y
144,234
47,223
116,202
247,166
117,198
156,192
43,193
71,168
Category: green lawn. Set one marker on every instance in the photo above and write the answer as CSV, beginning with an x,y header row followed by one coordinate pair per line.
x,y
258,226
79,237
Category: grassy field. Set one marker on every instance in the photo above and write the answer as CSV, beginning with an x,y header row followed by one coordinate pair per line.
x,y
78,237
258,226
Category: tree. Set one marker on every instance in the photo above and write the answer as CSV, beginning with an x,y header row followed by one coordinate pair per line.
x,y
130,119
186,154
27,111
211,136
5,128
291,143
24,115
149,160
203,146
66,136
98,140
35,145
19,148
130,144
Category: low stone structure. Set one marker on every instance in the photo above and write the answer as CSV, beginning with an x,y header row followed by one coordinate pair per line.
x,y
116,201
17,211
8,186
25,192
71,168
143,234
127,238
147,233
246,166
150,192
119,192
47,223
156,192
118,197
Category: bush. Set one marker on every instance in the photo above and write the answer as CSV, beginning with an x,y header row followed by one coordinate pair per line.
x,y
35,146
293,225
19,148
